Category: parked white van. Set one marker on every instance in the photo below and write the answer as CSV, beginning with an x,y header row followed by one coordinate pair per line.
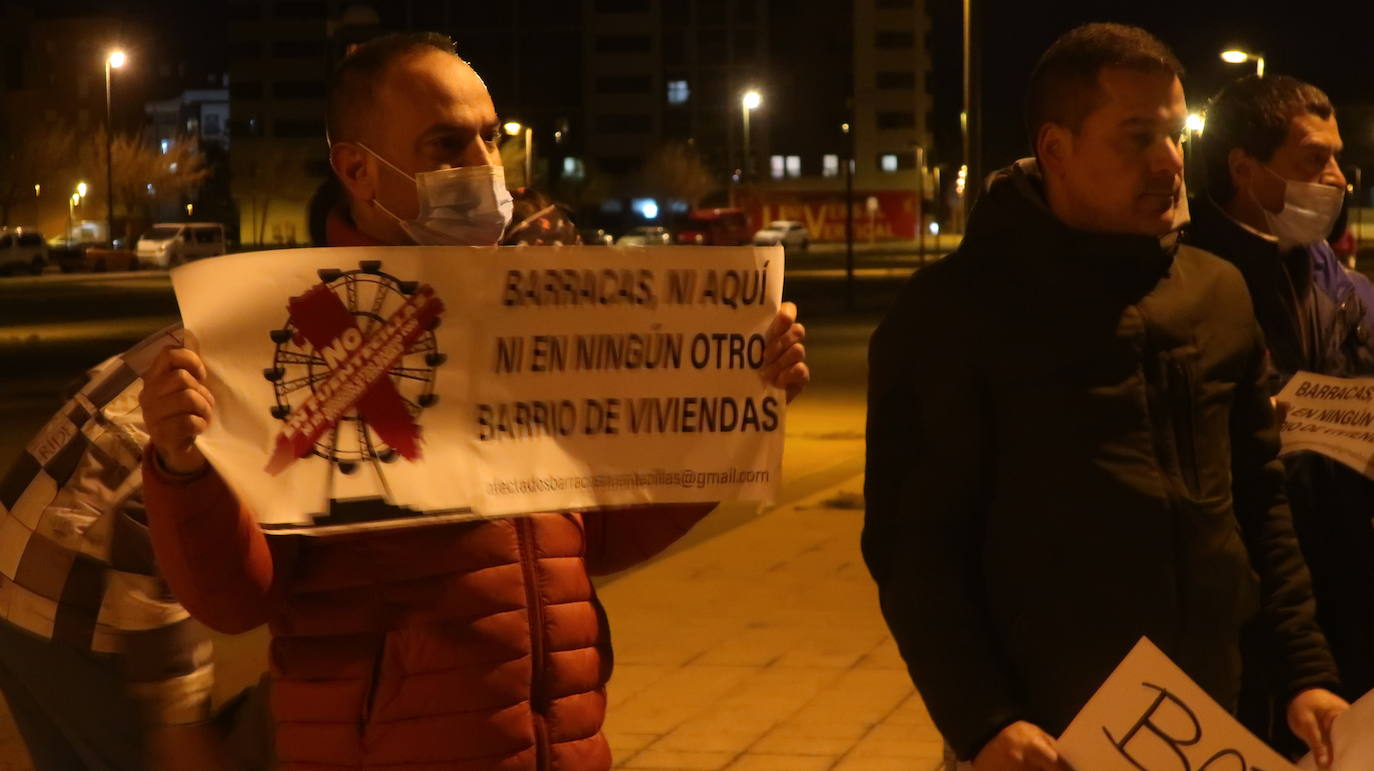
x,y
169,244
22,249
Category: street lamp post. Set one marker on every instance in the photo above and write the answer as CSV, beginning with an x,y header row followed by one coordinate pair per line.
x,y
115,60
74,201
750,101
513,128
1237,56
529,156
921,201
1193,126
848,213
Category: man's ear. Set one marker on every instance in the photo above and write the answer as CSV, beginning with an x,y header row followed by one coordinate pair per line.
x,y
349,162
1053,145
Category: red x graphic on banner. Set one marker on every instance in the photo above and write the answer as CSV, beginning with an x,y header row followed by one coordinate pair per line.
x,y
359,374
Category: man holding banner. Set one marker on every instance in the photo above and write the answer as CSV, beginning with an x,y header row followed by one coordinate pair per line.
x,y
1070,439
476,644
1274,188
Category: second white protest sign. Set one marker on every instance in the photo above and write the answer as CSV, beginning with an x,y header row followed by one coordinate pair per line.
x,y
1151,716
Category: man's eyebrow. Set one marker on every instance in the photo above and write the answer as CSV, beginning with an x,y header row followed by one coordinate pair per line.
x,y
1140,121
444,128
1334,147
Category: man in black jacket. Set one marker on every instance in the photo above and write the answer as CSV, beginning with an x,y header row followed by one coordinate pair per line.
x,y
1273,189
1070,439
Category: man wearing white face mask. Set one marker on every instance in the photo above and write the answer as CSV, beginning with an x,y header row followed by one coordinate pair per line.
x,y
1273,191
457,205
475,645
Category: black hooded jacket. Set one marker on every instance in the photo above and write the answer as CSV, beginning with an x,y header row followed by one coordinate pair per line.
x,y
1071,445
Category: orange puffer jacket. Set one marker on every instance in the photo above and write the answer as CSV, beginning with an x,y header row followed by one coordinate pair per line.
x,y
460,646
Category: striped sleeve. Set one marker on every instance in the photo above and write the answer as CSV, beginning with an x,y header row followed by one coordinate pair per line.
x,y
76,563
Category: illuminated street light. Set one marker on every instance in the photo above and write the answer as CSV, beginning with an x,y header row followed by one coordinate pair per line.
x,y
113,61
81,189
1237,56
1195,123
513,128
750,101
71,215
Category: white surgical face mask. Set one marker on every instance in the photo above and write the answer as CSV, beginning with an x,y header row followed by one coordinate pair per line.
x,y
1309,212
463,206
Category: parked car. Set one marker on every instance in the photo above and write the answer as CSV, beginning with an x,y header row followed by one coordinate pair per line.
x,y
70,256
169,244
23,250
596,237
645,235
791,235
102,260
715,227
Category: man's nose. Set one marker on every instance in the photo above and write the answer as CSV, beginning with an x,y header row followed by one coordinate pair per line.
x,y
1332,175
1167,158
477,154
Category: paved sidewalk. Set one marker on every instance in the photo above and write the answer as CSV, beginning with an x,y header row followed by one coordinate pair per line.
x,y
763,648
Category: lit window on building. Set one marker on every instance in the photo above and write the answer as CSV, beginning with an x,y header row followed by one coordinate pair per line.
x,y
574,168
830,166
889,162
678,92
777,165
794,165
645,207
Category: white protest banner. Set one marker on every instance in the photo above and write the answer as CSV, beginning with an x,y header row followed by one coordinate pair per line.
x,y
1150,716
1352,739
650,393
1332,416
464,382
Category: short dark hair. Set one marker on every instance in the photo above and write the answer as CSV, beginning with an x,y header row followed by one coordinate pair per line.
x,y
1064,87
1253,114
354,78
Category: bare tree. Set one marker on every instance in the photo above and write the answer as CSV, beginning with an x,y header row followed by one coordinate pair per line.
x,y
676,171
35,154
144,175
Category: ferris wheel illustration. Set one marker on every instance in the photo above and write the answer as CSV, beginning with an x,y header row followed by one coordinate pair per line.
x,y
298,368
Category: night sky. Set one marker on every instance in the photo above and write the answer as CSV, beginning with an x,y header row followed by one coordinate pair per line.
x,y
1329,43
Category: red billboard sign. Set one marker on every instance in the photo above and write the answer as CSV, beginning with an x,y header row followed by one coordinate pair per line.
x,y
893,217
